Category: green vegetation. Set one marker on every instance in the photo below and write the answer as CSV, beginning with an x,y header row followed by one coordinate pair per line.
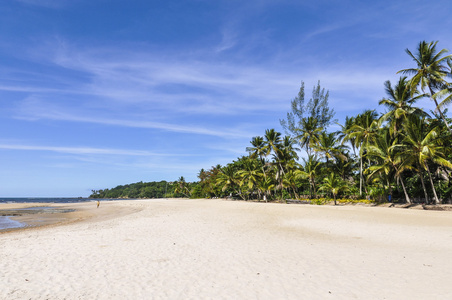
x,y
162,189
372,156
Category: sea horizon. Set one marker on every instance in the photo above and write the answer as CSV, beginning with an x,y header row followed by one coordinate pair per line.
x,y
45,199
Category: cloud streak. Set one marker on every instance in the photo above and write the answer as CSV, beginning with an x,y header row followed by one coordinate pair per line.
x,y
34,110
81,150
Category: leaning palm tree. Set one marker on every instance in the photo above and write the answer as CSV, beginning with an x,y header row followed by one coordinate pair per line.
x,y
333,184
388,163
430,73
420,146
181,187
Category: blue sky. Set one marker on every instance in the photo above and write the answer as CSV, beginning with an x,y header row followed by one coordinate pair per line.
x,y
97,93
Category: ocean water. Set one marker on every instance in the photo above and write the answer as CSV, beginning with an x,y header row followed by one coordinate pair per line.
x,y
45,200
7,223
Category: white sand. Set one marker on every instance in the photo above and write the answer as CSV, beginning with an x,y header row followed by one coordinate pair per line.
x,y
216,249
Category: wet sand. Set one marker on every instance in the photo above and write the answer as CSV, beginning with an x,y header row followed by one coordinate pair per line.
x,y
33,215
217,249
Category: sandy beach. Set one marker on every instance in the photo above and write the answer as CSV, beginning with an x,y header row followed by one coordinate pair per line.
x,y
218,249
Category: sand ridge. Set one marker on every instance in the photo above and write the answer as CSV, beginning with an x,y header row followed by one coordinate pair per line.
x,y
217,249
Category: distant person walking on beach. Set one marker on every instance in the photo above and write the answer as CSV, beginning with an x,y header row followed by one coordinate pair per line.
x,y
98,203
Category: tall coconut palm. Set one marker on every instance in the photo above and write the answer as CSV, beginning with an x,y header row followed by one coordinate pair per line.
x,y
273,145
308,133
422,145
272,141
430,72
330,147
363,132
345,129
287,153
399,103
258,150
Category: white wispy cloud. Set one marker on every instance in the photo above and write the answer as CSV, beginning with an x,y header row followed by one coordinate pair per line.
x,y
81,150
204,86
34,109
49,3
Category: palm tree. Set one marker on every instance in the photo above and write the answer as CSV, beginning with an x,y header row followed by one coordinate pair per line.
x,y
181,187
273,145
334,184
421,145
258,147
308,134
250,174
345,129
227,178
287,154
272,141
363,132
329,147
258,150
309,171
266,186
430,73
388,163
399,103
290,180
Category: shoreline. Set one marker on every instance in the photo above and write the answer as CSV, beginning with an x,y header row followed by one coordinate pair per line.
x,y
58,214
65,213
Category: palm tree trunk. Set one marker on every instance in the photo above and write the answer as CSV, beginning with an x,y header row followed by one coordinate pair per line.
x,y
407,198
361,175
439,110
433,187
389,188
310,190
315,192
423,185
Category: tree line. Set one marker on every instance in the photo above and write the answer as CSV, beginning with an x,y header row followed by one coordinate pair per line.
x,y
403,154
160,189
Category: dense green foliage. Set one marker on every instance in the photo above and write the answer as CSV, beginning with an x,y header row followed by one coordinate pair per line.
x,y
161,189
403,155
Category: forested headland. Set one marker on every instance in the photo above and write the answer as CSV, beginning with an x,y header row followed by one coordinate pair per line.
x,y
403,154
